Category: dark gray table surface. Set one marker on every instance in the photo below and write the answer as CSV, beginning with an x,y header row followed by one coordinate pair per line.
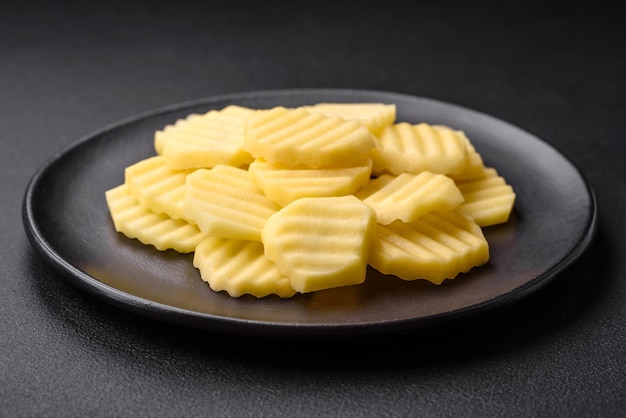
x,y
556,70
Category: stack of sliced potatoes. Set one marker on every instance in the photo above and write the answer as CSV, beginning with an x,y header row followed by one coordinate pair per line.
x,y
285,200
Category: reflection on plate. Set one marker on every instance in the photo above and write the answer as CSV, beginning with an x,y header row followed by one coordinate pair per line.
x,y
67,221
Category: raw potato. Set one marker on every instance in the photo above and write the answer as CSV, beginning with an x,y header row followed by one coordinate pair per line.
x,y
156,229
489,200
239,267
474,165
225,203
296,137
406,148
284,184
284,200
158,187
407,197
204,141
321,242
438,246
374,116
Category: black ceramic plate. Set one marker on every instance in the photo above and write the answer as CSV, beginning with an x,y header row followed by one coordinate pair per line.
x,y
67,221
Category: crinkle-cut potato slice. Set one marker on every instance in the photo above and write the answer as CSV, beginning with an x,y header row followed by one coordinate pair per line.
x,y
224,202
412,148
156,186
489,200
409,196
474,164
204,141
239,267
284,184
374,116
236,112
321,242
438,246
159,230
295,136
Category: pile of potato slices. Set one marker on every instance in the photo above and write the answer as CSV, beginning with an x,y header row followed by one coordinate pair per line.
x,y
290,200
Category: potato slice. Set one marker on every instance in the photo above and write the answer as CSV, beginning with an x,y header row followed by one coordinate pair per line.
x,y
404,147
204,141
159,230
374,116
474,165
296,137
239,267
157,187
321,242
409,196
224,202
438,246
284,184
489,200
235,111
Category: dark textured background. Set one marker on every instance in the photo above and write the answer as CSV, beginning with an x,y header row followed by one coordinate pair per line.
x,y
556,70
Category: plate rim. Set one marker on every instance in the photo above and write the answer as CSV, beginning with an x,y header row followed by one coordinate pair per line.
x,y
199,320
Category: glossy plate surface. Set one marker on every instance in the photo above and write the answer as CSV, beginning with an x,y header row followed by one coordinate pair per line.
x,y
67,221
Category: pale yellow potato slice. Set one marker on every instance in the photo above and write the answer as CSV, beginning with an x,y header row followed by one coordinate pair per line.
x,y
239,267
224,202
374,116
159,230
489,200
296,137
321,242
284,184
404,147
204,141
156,186
474,164
409,196
235,111
438,246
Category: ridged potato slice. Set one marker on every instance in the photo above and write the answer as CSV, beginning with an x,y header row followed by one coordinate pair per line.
x,y
233,113
489,200
224,202
474,165
409,196
404,147
239,267
321,242
374,116
296,137
159,230
284,184
438,246
204,141
156,186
